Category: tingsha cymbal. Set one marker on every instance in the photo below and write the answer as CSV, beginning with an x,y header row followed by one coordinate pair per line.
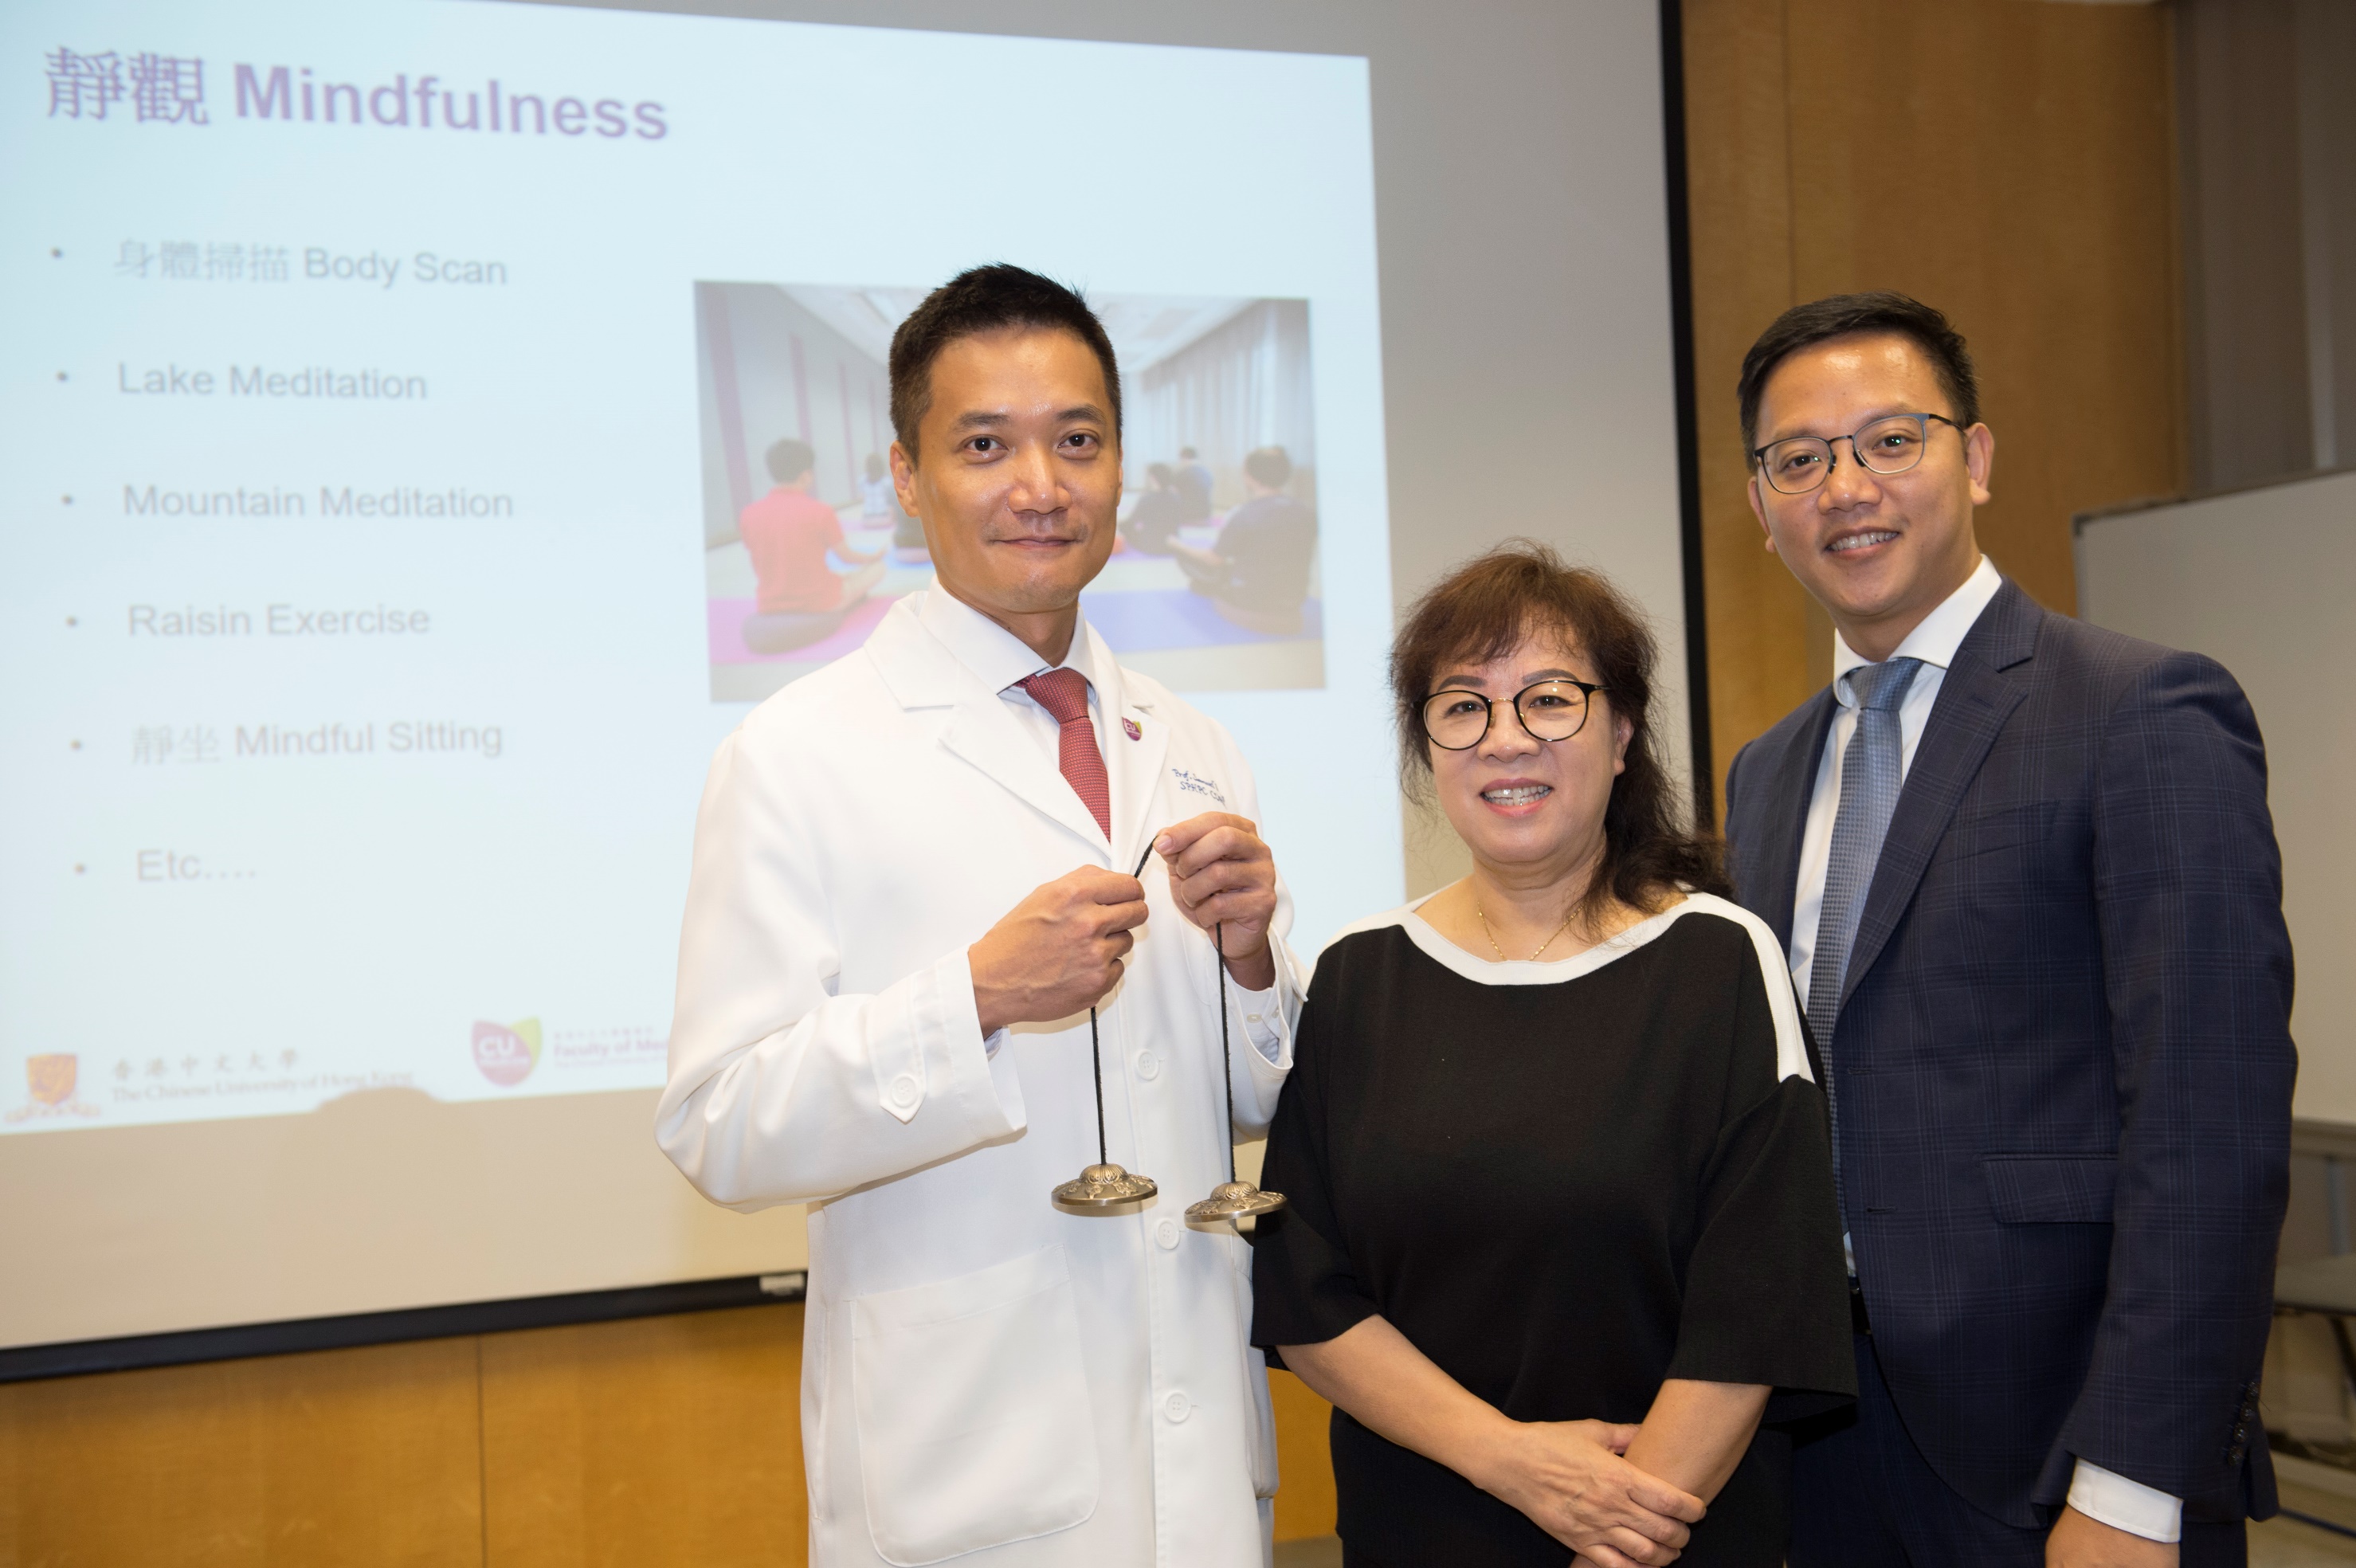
x,y
1102,1189
1233,1200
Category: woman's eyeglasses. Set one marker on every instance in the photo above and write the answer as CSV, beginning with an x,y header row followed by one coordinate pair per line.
x,y
1457,720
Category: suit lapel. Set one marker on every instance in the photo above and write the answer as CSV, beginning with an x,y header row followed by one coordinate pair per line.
x,y
1974,700
1786,822
1136,746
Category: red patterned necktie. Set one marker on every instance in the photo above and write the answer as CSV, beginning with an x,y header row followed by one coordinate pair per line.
x,y
1065,695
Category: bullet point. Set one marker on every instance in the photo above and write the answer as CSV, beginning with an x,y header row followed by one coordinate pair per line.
x,y
61,375
77,871
55,253
73,746
69,501
70,621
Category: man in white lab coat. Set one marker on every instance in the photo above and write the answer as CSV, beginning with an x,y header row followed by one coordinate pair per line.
x,y
911,884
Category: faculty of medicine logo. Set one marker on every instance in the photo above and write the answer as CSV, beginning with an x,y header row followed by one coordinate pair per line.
x,y
507,1052
49,1083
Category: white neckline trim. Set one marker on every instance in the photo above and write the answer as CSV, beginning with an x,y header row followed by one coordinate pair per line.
x,y
1782,1004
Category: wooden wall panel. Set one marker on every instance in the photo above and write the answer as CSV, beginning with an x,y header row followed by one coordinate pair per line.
x,y
1304,1465
344,1459
2010,162
641,1444
1761,625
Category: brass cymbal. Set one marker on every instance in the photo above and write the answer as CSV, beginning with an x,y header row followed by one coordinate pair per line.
x,y
1233,1200
1101,1189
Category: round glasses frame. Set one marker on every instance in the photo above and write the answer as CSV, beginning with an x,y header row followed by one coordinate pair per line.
x,y
1887,424
1522,711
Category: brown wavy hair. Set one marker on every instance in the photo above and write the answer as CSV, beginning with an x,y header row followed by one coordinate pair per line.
x,y
1488,606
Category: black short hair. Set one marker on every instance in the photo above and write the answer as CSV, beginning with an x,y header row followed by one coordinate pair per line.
x,y
1269,465
1845,316
789,459
1160,474
1185,454
986,299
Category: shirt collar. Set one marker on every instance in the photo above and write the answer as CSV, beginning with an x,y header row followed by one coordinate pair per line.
x,y
995,654
1935,640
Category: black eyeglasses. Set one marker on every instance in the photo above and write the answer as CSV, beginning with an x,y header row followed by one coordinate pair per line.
x,y
1890,445
1458,720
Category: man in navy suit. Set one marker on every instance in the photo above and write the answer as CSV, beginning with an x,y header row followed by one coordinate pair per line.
x,y
2027,884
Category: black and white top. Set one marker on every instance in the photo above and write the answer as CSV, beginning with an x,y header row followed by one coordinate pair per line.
x,y
1564,1183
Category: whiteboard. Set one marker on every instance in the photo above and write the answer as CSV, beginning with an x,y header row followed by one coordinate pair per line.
x,y
2263,581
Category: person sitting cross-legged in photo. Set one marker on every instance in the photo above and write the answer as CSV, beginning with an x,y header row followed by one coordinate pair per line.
x,y
788,534
1158,514
1257,572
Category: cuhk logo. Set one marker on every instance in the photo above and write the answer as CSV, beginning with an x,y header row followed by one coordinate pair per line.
x,y
50,1078
507,1052
50,1081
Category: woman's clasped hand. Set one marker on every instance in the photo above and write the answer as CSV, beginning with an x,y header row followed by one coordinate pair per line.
x,y
1570,1478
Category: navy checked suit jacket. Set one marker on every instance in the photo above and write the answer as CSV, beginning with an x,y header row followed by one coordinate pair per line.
x,y
2063,1062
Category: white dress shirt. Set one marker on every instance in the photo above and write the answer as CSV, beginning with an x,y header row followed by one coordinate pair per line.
x,y
2098,1493
1001,659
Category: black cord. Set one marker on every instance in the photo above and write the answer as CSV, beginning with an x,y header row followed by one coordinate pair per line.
x,y
1096,1047
1096,1056
1227,1060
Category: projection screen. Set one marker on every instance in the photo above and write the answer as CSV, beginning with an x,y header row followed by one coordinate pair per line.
x,y
384,388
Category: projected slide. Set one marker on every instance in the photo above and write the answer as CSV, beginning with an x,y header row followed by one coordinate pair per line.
x,y
403,408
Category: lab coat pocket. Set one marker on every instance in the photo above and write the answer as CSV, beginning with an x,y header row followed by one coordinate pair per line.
x,y
974,1423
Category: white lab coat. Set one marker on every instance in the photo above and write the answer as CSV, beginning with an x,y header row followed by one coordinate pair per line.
x,y
982,1375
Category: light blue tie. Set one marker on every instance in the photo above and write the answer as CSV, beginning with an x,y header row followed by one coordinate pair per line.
x,y
1870,775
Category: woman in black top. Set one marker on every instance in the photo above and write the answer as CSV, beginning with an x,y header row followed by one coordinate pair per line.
x,y
1561,1225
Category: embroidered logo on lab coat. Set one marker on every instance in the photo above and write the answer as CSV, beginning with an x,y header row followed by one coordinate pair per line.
x,y
1195,784
1129,727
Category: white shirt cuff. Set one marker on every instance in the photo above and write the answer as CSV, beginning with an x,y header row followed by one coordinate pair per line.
x,y
2122,1503
1263,1019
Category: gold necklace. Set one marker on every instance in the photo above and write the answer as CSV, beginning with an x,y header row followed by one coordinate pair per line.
x,y
1493,935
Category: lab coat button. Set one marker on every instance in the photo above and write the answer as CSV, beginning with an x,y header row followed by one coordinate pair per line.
x,y
1176,1407
904,1091
1149,1066
1167,1234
